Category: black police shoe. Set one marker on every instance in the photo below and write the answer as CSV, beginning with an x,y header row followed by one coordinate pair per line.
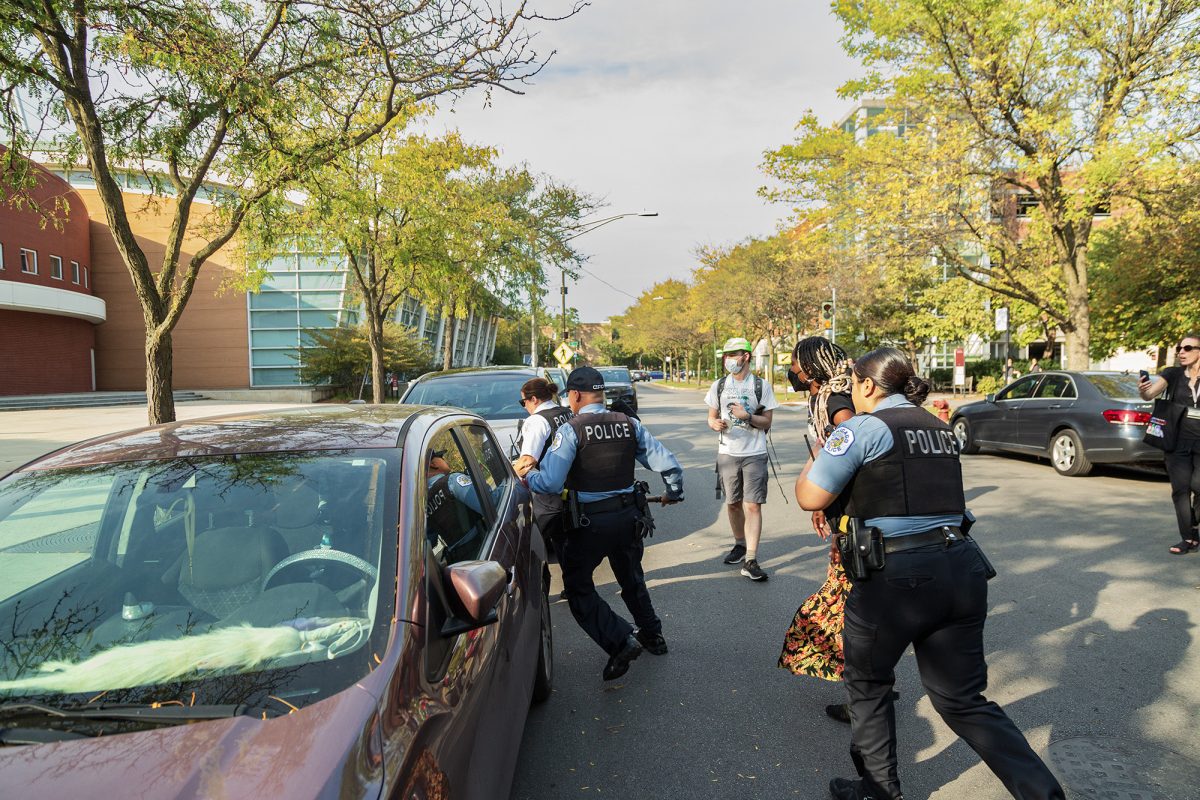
x,y
839,711
652,642
846,789
618,664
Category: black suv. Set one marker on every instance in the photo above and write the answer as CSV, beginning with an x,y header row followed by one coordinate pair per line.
x,y
618,385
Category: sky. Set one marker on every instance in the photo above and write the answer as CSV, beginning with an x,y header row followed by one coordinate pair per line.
x,y
664,106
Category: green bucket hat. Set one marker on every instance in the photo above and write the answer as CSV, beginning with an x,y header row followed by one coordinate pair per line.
x,y
736,344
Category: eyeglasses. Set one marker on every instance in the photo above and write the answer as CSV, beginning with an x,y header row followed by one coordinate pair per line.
x,y
523,401
1186,348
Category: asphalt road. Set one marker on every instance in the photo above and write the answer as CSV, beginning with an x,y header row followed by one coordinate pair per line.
x,y
1091,634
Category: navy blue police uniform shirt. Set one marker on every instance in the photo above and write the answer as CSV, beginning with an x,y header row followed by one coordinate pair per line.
x,y
551,474
858,441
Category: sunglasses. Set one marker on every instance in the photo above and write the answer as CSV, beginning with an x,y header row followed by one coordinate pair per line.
x,y
523,401
1186,348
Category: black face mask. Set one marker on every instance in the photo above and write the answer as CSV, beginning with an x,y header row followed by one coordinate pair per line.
x,y
794,380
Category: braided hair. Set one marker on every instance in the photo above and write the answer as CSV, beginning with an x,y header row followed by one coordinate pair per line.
x,y
828,365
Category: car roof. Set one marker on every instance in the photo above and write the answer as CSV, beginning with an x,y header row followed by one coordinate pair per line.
x,y
324,427
490,370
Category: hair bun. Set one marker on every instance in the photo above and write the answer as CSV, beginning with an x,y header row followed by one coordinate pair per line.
x,y
916,389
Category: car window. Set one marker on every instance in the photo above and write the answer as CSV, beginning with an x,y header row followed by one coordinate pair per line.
x,y
493,466
1020,390
1118,387
457,516
1059,386
238,576
616,374
491,396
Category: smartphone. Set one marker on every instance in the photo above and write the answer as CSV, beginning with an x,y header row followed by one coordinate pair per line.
x,y
1143,375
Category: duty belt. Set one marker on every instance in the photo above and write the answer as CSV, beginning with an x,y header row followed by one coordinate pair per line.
x,y
947,535
615,503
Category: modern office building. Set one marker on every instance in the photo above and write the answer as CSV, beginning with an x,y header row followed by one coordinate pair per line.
x,y
70,319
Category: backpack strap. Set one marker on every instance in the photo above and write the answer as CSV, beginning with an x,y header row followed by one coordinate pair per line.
x,y
757,389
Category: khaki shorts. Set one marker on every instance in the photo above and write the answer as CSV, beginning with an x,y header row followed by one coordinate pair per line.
x,y
743,478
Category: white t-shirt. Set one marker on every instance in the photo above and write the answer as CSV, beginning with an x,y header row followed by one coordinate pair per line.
x,y
535,431
739,439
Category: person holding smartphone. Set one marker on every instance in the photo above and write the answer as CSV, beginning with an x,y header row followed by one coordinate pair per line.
x,y
1183,462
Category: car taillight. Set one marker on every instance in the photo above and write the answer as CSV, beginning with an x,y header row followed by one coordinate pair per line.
x,y
1127,416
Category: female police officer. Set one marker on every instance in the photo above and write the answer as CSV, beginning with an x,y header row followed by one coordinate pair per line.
x,y
897,466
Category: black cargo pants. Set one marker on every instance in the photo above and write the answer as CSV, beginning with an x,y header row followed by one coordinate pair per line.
x,y
934,598
612,535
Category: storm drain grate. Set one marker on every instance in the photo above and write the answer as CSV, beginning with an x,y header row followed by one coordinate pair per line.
x,y
1107,768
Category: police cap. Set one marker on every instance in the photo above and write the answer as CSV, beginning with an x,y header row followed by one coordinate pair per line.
x,y
585,379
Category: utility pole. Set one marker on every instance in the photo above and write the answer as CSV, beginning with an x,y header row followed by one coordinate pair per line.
x,y
564,305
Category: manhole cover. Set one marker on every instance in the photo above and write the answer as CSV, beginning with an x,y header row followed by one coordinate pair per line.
x,y
1105,768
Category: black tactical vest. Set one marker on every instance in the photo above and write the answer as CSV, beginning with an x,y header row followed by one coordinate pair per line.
x,y
557,417
921,475
446,516
604,453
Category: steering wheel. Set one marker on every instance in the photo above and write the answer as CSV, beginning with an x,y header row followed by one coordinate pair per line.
x,y
318,560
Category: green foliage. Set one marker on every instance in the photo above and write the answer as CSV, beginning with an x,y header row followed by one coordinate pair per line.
x,y
988,384
341,356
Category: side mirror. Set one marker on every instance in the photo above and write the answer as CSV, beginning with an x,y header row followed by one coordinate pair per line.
x,y
990,398
478,587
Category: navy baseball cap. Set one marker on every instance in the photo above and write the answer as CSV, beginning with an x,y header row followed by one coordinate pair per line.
x,y
585,379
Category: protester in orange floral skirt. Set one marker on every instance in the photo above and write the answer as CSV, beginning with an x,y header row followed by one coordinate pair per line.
x,y
813,644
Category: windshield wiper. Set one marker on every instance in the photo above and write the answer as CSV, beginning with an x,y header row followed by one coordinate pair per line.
x,y
163,714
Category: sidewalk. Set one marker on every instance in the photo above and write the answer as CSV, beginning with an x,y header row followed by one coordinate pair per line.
x,y
787,397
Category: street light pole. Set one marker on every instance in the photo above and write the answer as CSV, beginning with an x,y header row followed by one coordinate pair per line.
x,y
580,230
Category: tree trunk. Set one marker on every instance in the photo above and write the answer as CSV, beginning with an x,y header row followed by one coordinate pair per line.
x,y
375,341
1078,340
160,399
451,331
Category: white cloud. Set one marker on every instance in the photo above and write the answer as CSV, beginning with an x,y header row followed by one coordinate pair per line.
x,y
666,106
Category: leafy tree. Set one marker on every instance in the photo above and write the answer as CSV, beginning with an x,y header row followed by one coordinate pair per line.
x,y
251,95
1061,103
342,355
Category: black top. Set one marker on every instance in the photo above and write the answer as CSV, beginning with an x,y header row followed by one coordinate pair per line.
x,y
838,401
1179,391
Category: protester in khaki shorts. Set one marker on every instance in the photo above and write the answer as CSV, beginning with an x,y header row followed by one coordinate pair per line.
x,y
740,410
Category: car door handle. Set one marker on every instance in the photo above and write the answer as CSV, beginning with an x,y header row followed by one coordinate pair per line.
x,y
1056,405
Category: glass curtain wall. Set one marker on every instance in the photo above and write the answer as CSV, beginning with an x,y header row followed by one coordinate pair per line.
x,y
302,290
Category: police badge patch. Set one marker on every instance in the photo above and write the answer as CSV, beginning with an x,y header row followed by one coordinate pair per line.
x,y
839,441
557,442
463,480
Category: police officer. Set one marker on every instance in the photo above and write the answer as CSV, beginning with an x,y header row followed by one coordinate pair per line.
x,y
452,508
593,456
897,466
545,418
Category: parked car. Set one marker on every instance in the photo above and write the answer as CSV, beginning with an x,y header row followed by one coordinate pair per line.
x,y
639,375
1075,419
618,385
273,605
493,393
656,374
559,377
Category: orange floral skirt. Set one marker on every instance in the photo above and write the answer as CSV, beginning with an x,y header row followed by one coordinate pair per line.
x,y
813,644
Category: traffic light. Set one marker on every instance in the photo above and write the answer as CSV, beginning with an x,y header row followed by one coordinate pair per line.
x,y
827,313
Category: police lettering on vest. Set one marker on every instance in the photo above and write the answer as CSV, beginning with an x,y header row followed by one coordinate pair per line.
x,y
610,442
920,476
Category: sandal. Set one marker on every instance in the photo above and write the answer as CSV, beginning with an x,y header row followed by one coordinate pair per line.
x,y
1184,547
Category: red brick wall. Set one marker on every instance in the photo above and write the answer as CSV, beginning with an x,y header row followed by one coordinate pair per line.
x,y
45,354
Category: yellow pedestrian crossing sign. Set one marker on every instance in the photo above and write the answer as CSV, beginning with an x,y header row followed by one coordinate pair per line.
x,y
563,354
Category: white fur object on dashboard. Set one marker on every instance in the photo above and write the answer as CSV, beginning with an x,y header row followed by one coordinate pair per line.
x,y
163,660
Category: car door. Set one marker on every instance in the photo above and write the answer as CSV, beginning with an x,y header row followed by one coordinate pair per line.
x,y
1000,427
510,685
459,668
1042,412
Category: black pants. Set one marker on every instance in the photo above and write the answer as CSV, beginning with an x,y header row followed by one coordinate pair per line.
x,y
549,512
610,535
934,598
1183,468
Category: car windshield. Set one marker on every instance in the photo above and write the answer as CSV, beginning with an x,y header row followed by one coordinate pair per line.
x,y
616,375
252,579
1117,387
490,395
558,376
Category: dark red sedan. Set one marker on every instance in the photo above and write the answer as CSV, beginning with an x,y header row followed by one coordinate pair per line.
x,y
337,602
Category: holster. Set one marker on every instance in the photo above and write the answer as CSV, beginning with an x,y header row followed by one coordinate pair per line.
x,y
645,521
969,522
579,520
860,549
